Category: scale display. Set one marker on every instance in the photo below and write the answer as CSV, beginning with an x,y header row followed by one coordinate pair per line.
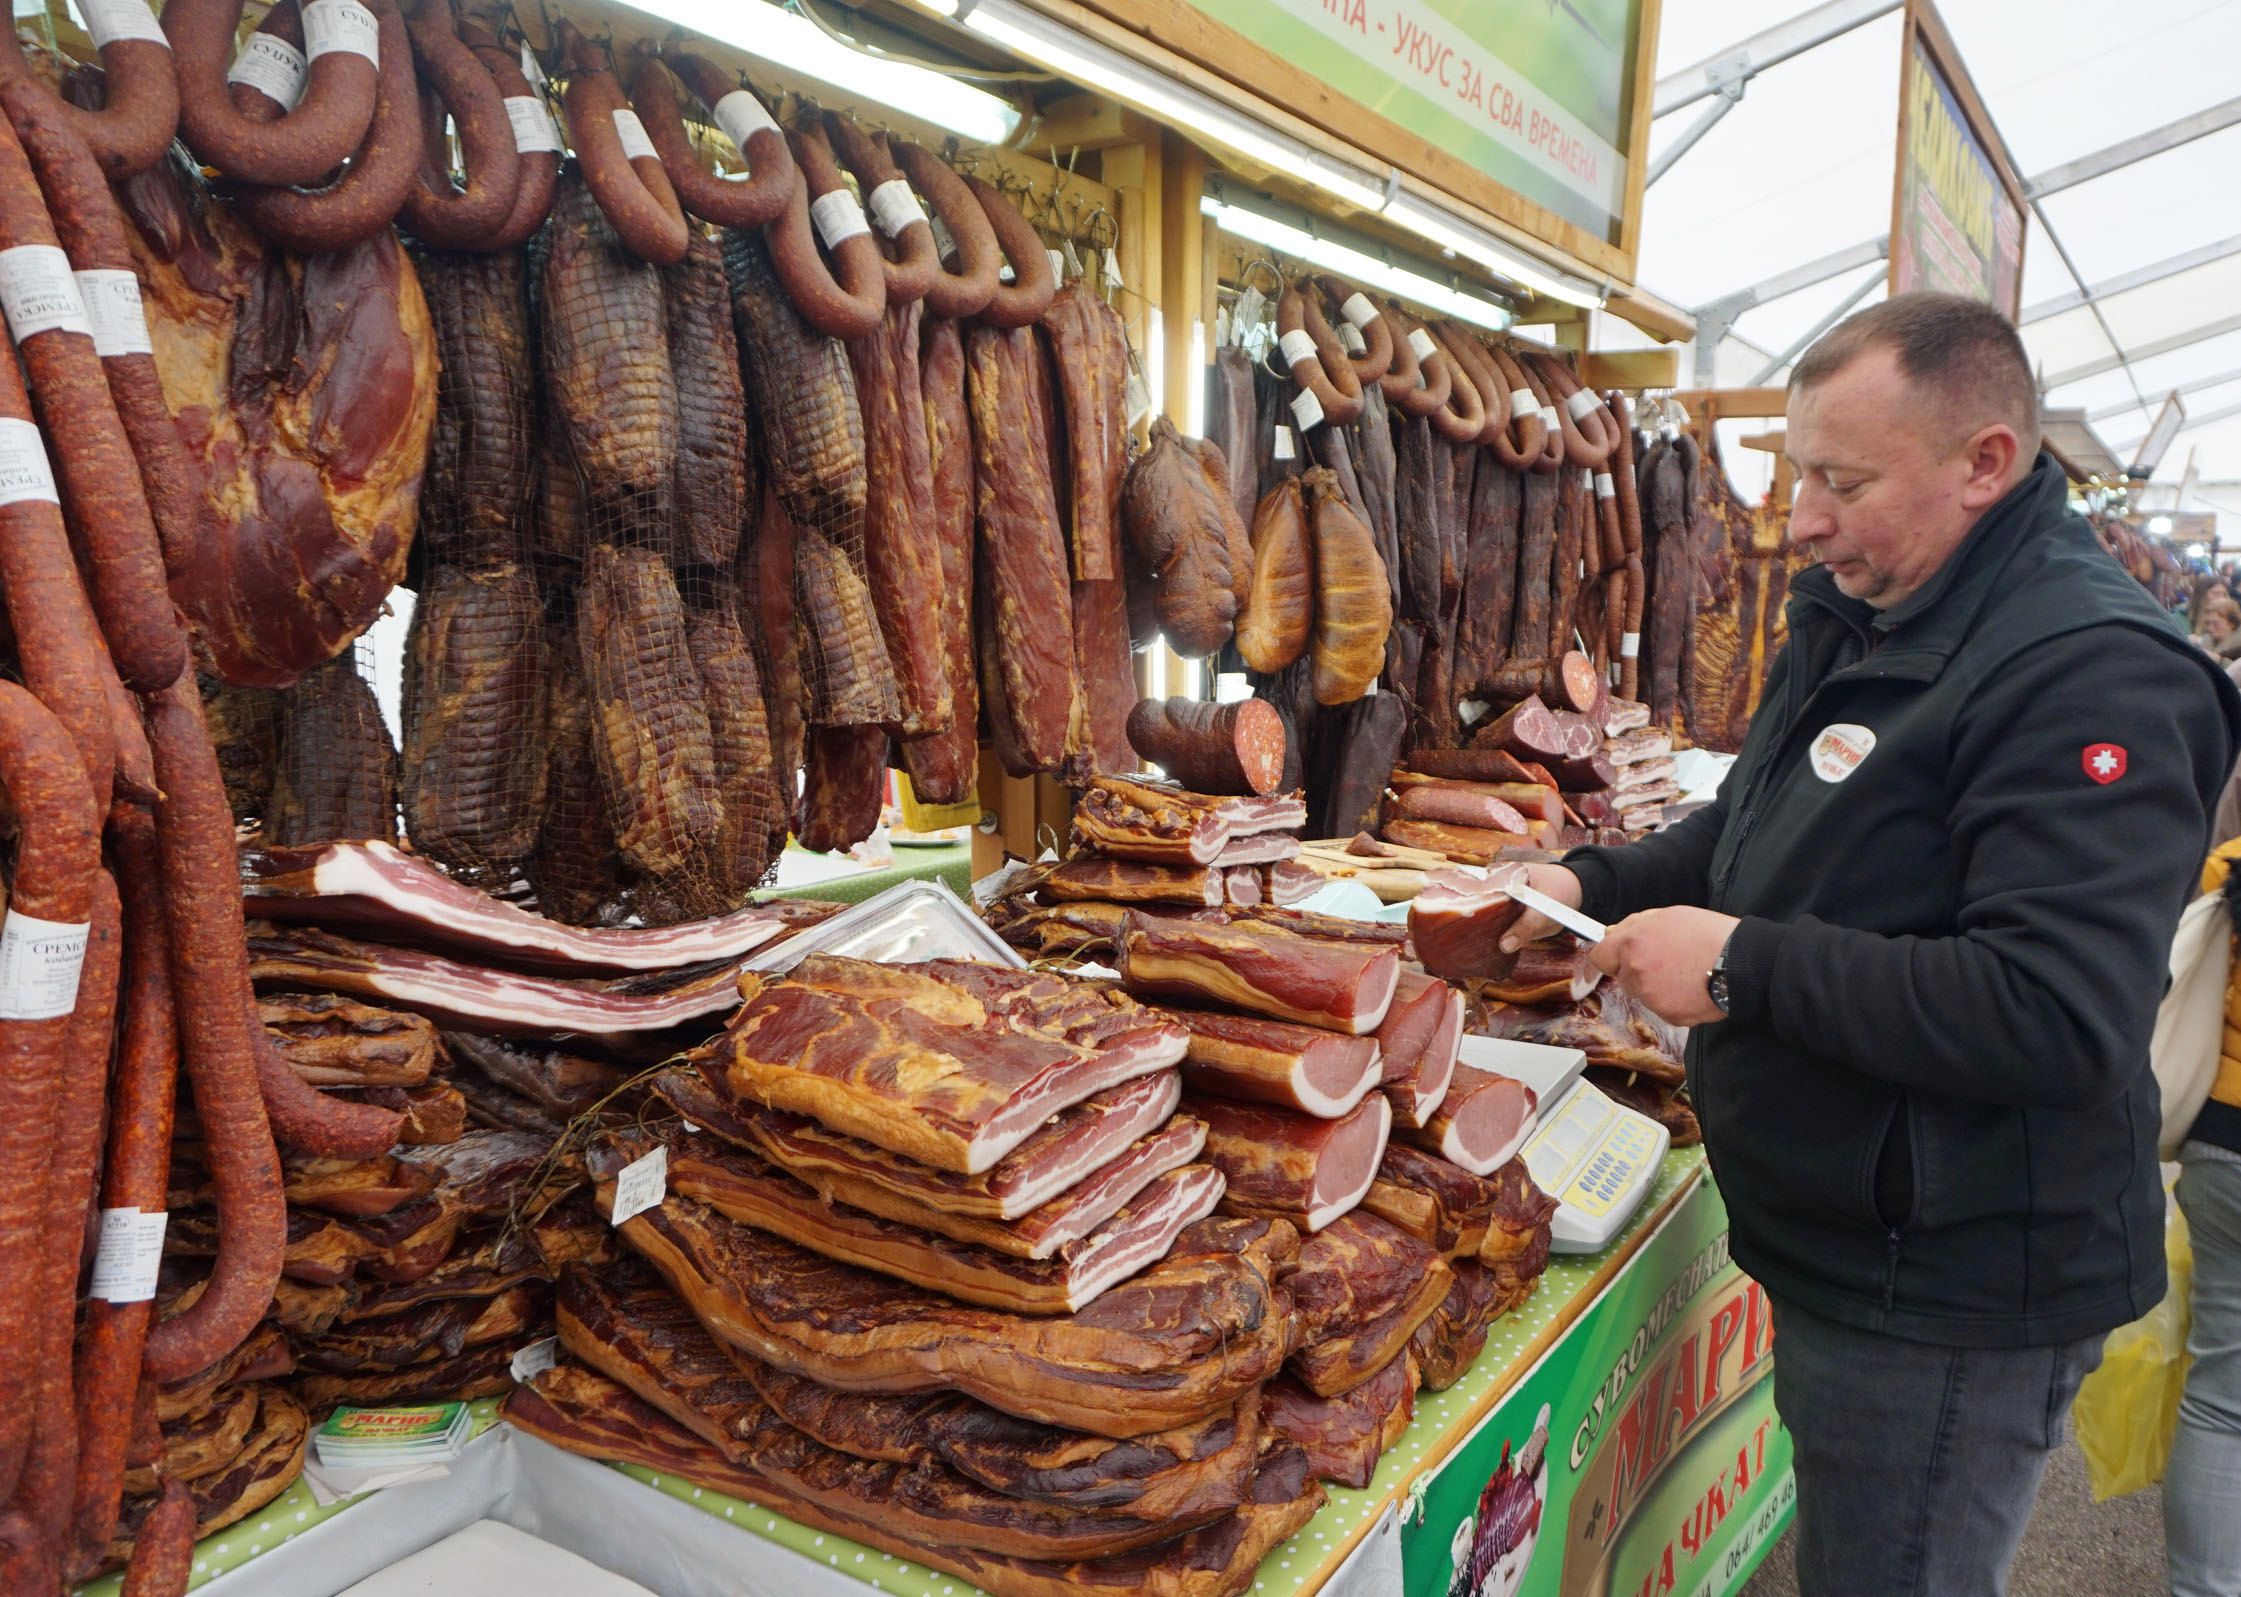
x,y
1596,1158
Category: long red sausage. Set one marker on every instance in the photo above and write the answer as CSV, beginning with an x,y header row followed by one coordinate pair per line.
x,y
454,82
211,994
655,91
847,298
57,859
896,215
310,140
131,130
1022,301
163,1553
630,185
536,138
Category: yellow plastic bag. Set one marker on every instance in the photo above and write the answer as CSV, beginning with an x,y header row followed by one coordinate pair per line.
x,y
2128,1408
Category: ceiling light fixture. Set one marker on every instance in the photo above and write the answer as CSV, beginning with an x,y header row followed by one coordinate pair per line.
x,y
1357,266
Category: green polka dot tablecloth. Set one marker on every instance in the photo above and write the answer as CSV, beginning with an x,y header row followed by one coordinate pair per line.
x,y
1300,1565
282,1520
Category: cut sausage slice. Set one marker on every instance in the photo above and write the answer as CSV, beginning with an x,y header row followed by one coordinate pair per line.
x,y
1317,1072
1483,1122
1456,923
1284,1165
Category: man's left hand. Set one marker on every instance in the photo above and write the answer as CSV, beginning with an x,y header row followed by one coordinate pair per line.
x,y
1662,956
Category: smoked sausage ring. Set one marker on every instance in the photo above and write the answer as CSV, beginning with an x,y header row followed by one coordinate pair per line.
x,y
540,171
633,192
301,146
140,108
1587,436
967,290
917,260
751,201
1022,301
454,81
1376,358
1318,365
847,298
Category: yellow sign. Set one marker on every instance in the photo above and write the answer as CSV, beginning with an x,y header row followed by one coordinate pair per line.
x,y
1957,213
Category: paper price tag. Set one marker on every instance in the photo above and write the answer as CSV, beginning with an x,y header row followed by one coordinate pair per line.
x,y
644,1182
1522,403
24,469
838,217
1113,271
741,116
273,67
945,245
1351,338
894,207
1057,265
1307,410
1630,645
124,1265
1250,306
635,142
533,1360
1605,488
340,25
1421,342
39,964
39,294
1359,312
120,321
1296,346
110,20
533,124
1285,449
1581,403
532,68
1549,418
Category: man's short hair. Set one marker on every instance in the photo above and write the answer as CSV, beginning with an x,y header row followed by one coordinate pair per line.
x,y
1961,349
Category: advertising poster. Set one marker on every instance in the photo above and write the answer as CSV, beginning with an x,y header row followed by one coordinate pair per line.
x,y
1641,1456
1956,226
1534,93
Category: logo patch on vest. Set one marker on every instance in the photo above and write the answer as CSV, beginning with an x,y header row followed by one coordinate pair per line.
x,y
2105,762
1838,751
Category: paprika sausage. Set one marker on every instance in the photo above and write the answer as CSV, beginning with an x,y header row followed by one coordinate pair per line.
x,y
58,855
383,174
1525,412
536,139
91,227
211,996
1630,537
135,1175
633,191
1470,357
1426,387
1587,437
101,479
1022,301
307,142
163,1553
453,82
1553,442
966,291
51,1465
129,132
896,214
1318,365
1463,417
847,298
1356,310
769,184
264,67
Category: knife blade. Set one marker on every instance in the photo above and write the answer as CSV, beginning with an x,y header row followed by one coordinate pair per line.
x,y
1580,926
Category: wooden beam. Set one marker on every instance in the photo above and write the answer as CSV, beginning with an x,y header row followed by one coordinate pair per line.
x,y
1665,322
1773,443
1733,404
1182,254
1631,368
1089,122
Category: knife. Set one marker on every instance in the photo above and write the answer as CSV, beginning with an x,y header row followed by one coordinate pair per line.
x,y
1570,919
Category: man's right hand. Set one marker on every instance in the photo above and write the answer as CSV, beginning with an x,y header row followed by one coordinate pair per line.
x,y
1561,885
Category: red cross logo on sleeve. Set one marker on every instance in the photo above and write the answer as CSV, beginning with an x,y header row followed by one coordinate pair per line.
x,y
2104,762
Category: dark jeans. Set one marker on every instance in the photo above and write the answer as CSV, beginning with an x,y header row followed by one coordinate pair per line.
x,y
1916,1465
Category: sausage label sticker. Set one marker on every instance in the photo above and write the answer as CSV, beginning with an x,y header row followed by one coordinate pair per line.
x,y
2105,762
1838,751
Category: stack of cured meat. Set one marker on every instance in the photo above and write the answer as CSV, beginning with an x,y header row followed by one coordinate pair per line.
x,y
1644,775
936,1267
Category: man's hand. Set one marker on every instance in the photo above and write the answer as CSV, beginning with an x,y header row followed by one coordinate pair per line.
x,y
1561,885
1662,956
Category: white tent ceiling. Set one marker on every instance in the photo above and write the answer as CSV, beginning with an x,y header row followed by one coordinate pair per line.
x,y
1800,170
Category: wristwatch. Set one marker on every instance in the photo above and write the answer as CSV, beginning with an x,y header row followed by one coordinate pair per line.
x,y
1715,981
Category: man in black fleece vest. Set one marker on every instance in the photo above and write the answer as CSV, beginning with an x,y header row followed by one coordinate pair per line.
x,y
1920,939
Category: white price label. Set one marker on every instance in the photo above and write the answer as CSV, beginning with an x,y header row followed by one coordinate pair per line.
x,y
1285,448
894,207
533,1360
107,21
1307,410
533,124
532,68
1605,488
1522,403
1139,398
1548,418
1359,312
1057,265
838,217
644,1182
273,67
1421,342
330,26
1581,403
1351,337
131,1248
1296,346
635,142
39,294
944,245
1112,269
741,116
120,321
1630,645
1250,305
39,964
24,470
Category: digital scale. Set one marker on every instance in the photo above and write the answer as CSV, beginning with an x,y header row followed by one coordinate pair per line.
x,y
1596,1158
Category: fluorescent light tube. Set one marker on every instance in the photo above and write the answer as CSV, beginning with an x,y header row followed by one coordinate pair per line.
x,y
1362,269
